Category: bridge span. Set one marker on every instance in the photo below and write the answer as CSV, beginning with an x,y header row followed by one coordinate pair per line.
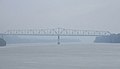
x,y
56,32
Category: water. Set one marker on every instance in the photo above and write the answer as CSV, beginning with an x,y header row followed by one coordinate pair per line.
x,y
64,56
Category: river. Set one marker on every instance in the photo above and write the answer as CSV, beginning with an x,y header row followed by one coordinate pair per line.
x,y
64,56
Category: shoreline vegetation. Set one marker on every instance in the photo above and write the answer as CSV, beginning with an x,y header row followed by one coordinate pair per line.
x,y
113,38
2,42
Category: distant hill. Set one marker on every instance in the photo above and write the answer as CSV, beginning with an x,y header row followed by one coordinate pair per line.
x,y
113,38
2,42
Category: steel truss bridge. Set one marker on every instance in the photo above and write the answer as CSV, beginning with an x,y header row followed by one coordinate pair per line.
x,y
56,32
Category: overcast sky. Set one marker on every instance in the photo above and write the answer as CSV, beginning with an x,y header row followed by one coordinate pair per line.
x,y
74,14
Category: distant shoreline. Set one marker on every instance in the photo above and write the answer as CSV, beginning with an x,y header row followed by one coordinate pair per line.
x,y
113,38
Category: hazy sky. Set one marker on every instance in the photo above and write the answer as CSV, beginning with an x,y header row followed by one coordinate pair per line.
x,y
75,14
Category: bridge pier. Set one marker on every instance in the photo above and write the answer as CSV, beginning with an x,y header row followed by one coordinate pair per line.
x,y
58,40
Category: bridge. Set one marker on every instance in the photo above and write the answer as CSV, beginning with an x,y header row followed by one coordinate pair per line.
x,y
56,32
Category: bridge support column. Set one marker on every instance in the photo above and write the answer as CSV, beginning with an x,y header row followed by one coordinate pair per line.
x,y
58,40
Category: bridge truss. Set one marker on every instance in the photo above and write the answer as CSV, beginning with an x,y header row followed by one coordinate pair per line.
x,y
57,32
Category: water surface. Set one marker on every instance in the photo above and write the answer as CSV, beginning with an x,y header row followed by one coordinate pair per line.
x,y
64,56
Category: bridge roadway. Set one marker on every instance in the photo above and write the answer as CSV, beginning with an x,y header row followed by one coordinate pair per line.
x,y
56,32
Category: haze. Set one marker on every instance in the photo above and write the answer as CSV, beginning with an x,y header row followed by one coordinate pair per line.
x,y
75,14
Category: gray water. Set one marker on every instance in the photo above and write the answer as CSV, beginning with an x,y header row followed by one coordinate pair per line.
x,y
64,56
